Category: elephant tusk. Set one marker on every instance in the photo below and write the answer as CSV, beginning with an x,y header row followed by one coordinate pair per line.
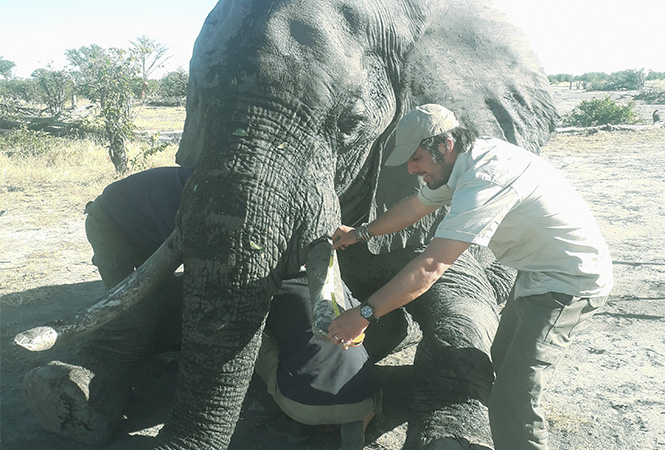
x,y
325,286
127,293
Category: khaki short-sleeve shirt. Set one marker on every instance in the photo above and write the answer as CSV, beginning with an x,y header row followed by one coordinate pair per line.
x,y
529,215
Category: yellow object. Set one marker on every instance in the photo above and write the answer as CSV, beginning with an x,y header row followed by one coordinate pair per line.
x,y
357,341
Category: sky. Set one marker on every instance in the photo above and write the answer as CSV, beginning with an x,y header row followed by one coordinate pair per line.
x,y
569,36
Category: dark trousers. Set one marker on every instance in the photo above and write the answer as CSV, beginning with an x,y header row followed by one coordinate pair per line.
x,y
154,323
114,254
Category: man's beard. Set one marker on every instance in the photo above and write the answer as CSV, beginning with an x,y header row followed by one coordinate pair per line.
x,y
441,177
435,184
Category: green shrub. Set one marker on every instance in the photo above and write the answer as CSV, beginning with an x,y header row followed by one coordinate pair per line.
x,y
656,76
172,89
142,160
24,143
19,91
603,111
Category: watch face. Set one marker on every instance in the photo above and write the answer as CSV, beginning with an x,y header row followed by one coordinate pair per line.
x,y
366,311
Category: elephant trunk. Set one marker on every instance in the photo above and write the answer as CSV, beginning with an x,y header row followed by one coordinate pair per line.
x,y
245,225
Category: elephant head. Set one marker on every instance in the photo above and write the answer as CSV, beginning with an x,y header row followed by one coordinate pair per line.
x,y
290,111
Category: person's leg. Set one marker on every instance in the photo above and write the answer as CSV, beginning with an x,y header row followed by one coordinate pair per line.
x,y
114,256
542,327
353,418
504,334
283,424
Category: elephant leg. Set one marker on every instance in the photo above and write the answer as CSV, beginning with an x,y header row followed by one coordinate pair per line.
x,y
84,398
458,317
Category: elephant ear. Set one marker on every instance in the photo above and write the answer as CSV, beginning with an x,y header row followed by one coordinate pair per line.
x,y
479,65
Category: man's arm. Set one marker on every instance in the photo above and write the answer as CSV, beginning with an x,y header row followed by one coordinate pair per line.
x,y
405,213
412,281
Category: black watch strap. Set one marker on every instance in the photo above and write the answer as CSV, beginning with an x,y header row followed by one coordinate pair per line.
x,y
367,312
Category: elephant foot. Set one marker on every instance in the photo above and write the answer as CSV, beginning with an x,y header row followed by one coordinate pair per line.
x,y
74,402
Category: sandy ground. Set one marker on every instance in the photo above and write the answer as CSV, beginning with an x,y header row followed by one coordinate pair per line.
x,y
608,392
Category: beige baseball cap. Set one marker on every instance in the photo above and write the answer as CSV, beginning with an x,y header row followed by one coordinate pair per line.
x,y
423,122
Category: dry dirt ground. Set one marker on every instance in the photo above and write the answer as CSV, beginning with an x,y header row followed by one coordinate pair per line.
x,y
608,392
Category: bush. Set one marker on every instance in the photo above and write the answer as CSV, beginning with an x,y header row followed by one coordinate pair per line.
x,y
27,143
172,89
652,95
55,88
596,112
656,76
616,81
20,91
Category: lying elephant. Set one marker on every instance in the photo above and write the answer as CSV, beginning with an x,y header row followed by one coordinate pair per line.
x,y
290,112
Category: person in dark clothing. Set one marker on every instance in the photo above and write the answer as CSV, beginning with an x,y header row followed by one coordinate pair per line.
x,y
132,218
312,381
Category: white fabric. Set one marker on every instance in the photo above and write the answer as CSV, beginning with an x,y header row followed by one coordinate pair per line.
x,y
530,216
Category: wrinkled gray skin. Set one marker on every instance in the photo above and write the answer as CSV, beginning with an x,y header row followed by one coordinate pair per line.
x,y
290,109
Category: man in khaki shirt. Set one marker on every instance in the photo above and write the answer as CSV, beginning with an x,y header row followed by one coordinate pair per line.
x,y
516,204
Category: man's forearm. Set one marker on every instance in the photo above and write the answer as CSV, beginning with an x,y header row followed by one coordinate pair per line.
x,y
417,276
405,213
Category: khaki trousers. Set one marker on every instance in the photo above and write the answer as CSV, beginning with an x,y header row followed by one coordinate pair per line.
x,y
533,334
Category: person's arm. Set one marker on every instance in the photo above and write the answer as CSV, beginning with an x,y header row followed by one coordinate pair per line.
x,y
405,213
411,282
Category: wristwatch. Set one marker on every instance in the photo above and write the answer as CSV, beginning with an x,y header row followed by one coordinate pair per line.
x,y
367,312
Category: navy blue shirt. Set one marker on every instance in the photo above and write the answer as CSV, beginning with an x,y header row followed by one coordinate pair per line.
x,y
144,204
312,371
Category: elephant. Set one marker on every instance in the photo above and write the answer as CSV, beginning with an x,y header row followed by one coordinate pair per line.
x,y
291,108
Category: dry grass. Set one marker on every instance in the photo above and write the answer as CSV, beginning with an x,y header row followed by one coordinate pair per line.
x,y
42,201
639,140
75,168
160,118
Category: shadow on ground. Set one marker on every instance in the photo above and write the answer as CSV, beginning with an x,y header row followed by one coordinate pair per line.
x,y
153,388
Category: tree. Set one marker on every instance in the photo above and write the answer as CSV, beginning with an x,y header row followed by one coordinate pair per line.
x,y
6,67
656,76
55,86
174,85
109,78
627,79
150,55
19,90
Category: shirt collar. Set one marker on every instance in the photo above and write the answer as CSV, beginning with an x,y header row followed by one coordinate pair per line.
x,y
462,163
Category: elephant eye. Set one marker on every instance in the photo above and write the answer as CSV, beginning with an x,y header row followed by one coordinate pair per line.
x,y
351,123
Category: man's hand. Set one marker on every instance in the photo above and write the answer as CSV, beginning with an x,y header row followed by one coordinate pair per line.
x,y
343,237
347,327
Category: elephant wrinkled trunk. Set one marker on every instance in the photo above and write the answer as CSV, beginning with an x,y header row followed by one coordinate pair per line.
x,y
244,226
